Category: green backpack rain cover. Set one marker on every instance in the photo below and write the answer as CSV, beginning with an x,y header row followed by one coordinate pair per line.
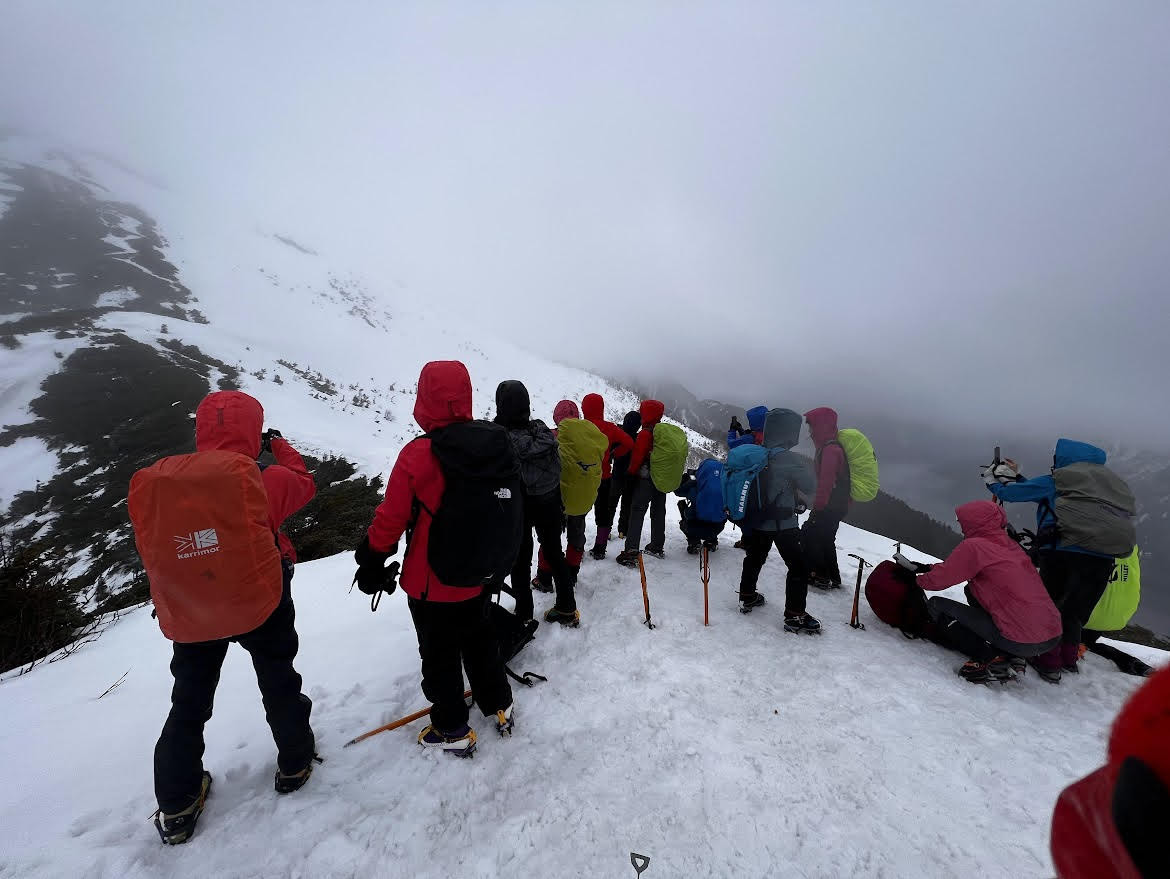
x,y
582,446
1120,601
668,457
863,466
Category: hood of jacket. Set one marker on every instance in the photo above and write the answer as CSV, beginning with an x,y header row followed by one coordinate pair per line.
x,y
593,408
632,423
981,519
513,407
565,409
756,417
229,421
651,412
1074,452
781,429
822,425
444,395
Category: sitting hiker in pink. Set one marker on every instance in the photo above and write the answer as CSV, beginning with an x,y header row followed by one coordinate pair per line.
x,y
1009,615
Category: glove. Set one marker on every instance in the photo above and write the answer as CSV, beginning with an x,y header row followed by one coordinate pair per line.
x,y
801,508
267,437
912,566
1002,473
366,557
371,580
735,425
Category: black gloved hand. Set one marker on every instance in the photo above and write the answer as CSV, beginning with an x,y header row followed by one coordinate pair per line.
x,y
372,580
267,437
801,508
735,425
366,557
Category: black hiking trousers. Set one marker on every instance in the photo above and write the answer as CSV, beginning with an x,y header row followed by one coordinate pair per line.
x,y
453,636
605,506
622,487
970,629
757,545
178,756
544,514
647,497
1075,581
819,539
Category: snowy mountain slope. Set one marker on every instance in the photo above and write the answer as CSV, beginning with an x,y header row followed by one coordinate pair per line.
x,y
733,750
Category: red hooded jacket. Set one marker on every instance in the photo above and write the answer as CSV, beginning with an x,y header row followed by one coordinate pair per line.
x,y
620,442
1000,574
830,460
232,421
444,397
652,412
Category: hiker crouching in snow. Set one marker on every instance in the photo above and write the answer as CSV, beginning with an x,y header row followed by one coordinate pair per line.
x,y
456,493
230,583
1009,616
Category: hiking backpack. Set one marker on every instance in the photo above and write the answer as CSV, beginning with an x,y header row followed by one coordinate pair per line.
x,y
202,530
475,532
743,493
1120,600
582,446
668,457
708,504
1094,509
538,457
863,465
898,601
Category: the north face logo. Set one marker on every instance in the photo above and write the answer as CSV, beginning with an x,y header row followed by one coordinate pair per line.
x,y
197,543
504,494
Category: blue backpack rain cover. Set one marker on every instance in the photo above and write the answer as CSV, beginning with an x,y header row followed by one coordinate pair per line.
x,y
742,495
709,492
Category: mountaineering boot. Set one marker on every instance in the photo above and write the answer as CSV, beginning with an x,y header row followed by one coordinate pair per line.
x,y
627,558
995,670
1069,654
178,828
1018,665
656,551
504,720
569,618
802,622
738,544
460,743
693,548
541,585
286,784
1049,673
598,551
712,545
750,600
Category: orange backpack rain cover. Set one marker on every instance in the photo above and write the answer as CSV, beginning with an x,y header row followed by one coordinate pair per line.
x,y
201,527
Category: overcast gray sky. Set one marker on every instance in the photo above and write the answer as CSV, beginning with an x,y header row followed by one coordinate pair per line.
x,y
963,209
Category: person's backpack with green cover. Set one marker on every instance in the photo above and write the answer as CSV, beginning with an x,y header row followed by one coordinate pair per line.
x,y
863,465
668,457
1121,598
582,447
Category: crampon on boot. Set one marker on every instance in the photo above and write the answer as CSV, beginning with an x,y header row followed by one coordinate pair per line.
x,y
1051,674
598,551
541,585
460,743
997,670
176,829
286,784
748,601
802,623
657,551
570,619
504,720
627,558
712,545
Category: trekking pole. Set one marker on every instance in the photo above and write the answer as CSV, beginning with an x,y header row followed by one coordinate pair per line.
x,y
645,594
402,721
706,568
854,619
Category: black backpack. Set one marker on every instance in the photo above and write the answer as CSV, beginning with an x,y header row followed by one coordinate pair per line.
x,y
475,532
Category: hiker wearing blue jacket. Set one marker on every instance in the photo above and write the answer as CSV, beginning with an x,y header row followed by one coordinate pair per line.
x,y
1074,577
737,436
701,513
782,483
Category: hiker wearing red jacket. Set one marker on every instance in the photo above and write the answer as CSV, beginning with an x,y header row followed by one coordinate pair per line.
x,y
453,628
831,504
646,496
232,421
608,495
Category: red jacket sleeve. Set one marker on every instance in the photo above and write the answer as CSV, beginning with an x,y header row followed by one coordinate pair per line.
x,y
288,483
960,566
642,446
621,443
832,461
394,513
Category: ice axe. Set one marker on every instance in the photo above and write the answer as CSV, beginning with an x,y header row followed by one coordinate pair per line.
x,y
705,567
854,619
402,721
645,594
640,862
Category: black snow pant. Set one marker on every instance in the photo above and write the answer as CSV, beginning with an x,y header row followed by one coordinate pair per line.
x,y
622,485
647,497
604,508
454,636
819,539
698,532
970,629
178,756
1075,581
757,545
1131,665
544,514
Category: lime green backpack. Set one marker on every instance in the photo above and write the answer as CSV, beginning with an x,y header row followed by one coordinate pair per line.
x,y
668,457
1120,601
582,446
863,466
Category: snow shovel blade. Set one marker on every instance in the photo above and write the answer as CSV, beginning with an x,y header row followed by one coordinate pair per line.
x,y
640,862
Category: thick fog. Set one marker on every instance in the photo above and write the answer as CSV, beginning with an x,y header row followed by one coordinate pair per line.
x,y
960,211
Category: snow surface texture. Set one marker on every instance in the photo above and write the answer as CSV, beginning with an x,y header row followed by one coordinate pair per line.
x,y
733,750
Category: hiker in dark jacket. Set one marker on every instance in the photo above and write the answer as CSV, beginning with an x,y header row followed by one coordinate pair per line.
x,y
540,468
783,483
831,503
620,483
646,496
1074,577
620,443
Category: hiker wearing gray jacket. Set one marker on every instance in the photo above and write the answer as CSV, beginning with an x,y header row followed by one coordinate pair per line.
x,y
785,482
